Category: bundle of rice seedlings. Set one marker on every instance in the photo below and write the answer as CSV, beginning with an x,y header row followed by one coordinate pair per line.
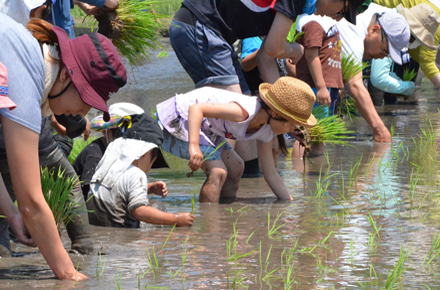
x,y
133,28
56,191
78,145
329,129
408,75
351,66
346,107
293,34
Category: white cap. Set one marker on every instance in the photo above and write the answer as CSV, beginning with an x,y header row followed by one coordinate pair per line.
x,y
398,33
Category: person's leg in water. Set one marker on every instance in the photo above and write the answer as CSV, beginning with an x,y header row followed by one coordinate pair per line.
x,y
216,174
235,167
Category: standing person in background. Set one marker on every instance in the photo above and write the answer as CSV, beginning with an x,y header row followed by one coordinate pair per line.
x,y
75,77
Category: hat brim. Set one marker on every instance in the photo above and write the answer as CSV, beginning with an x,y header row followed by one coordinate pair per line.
x,y
264,88
353,6
99,123
395,53
161,161
86,92
417,27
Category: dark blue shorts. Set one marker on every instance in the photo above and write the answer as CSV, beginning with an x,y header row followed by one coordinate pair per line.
x,y
206,56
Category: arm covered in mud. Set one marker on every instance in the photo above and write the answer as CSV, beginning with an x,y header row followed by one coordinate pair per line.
x,y
232,112
270,173
155,216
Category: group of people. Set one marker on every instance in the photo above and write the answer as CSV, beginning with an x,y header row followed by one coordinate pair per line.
x,y
49,77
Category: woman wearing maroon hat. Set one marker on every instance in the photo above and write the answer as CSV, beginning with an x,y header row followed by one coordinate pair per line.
x,y
49,73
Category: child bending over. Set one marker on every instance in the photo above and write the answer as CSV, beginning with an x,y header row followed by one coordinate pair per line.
x,y
119,188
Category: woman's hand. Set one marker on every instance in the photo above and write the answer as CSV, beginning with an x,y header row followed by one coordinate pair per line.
x,y
158,188
19,228
184,219
195,157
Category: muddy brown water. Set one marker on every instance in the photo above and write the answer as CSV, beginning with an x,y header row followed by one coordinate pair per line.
x,y
343,260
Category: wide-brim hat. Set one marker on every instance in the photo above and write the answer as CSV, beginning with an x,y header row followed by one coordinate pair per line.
x,y
290,98
117,112
423,21
94,66
145,128
5,101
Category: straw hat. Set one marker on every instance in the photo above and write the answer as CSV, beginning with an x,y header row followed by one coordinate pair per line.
x,y
290,98
423,21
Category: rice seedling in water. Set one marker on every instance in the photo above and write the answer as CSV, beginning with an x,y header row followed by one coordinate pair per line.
x,y
273,229
408,75
413,180
351,66
288,279
434,251
396,274
323,183
371,242
347,107
78,145
424,155
166,241
250,236
353,174
118,281
373,225
99,265
133,28
57,193
232,242
153,262
268,275
193,200
184,253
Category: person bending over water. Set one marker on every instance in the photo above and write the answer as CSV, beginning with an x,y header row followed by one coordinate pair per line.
x,y
197,122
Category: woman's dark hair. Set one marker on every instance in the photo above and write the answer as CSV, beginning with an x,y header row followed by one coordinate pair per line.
x,y
281,141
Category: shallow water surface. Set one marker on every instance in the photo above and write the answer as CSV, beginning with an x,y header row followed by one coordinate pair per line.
x,y
320,240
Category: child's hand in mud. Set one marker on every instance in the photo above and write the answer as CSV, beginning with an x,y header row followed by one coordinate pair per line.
x,y
184,219
158,188
323,97
195,157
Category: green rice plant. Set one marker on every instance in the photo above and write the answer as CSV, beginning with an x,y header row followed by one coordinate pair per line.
x,y
193,200
153,262
118,280
351,66
57,193
373,225
166,241
190,174
163,53
408,75
134,28
396,274
293,34
99,265
347,107
424,155
184,255
371,242
369,166
231,243
288,278
273,229
413,180
78,145
323,183
329,129
353,174
434,251
268,276
250,236
238,256
168,7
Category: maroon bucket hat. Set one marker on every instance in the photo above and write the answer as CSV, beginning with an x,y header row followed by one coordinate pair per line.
x,y
94,65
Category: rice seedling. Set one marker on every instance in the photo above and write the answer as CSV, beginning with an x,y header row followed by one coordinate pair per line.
x,y
293,34
190,174
371,242
166,241
268,275
413,180
329,129
99,265
434,251
424,155
153,262
396,274
288,279
118,280
353,173
238,256
347,107
351,66
184,255
323,241
408,75
231,243
369,166
373,225
78,145
57,193
237,281
133,28
273,229
250,236
193,200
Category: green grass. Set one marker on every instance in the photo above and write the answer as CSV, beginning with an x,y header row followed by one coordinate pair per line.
x,y
57,193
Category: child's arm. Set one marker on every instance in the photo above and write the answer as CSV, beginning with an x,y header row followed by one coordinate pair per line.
x,y
155,216
158,188
270,173
232,112
249,62
315,68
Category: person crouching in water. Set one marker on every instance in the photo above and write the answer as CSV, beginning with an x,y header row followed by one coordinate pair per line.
x,y
119,188
197,122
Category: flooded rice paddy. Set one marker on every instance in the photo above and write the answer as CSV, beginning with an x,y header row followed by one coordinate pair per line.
x,y
365,216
